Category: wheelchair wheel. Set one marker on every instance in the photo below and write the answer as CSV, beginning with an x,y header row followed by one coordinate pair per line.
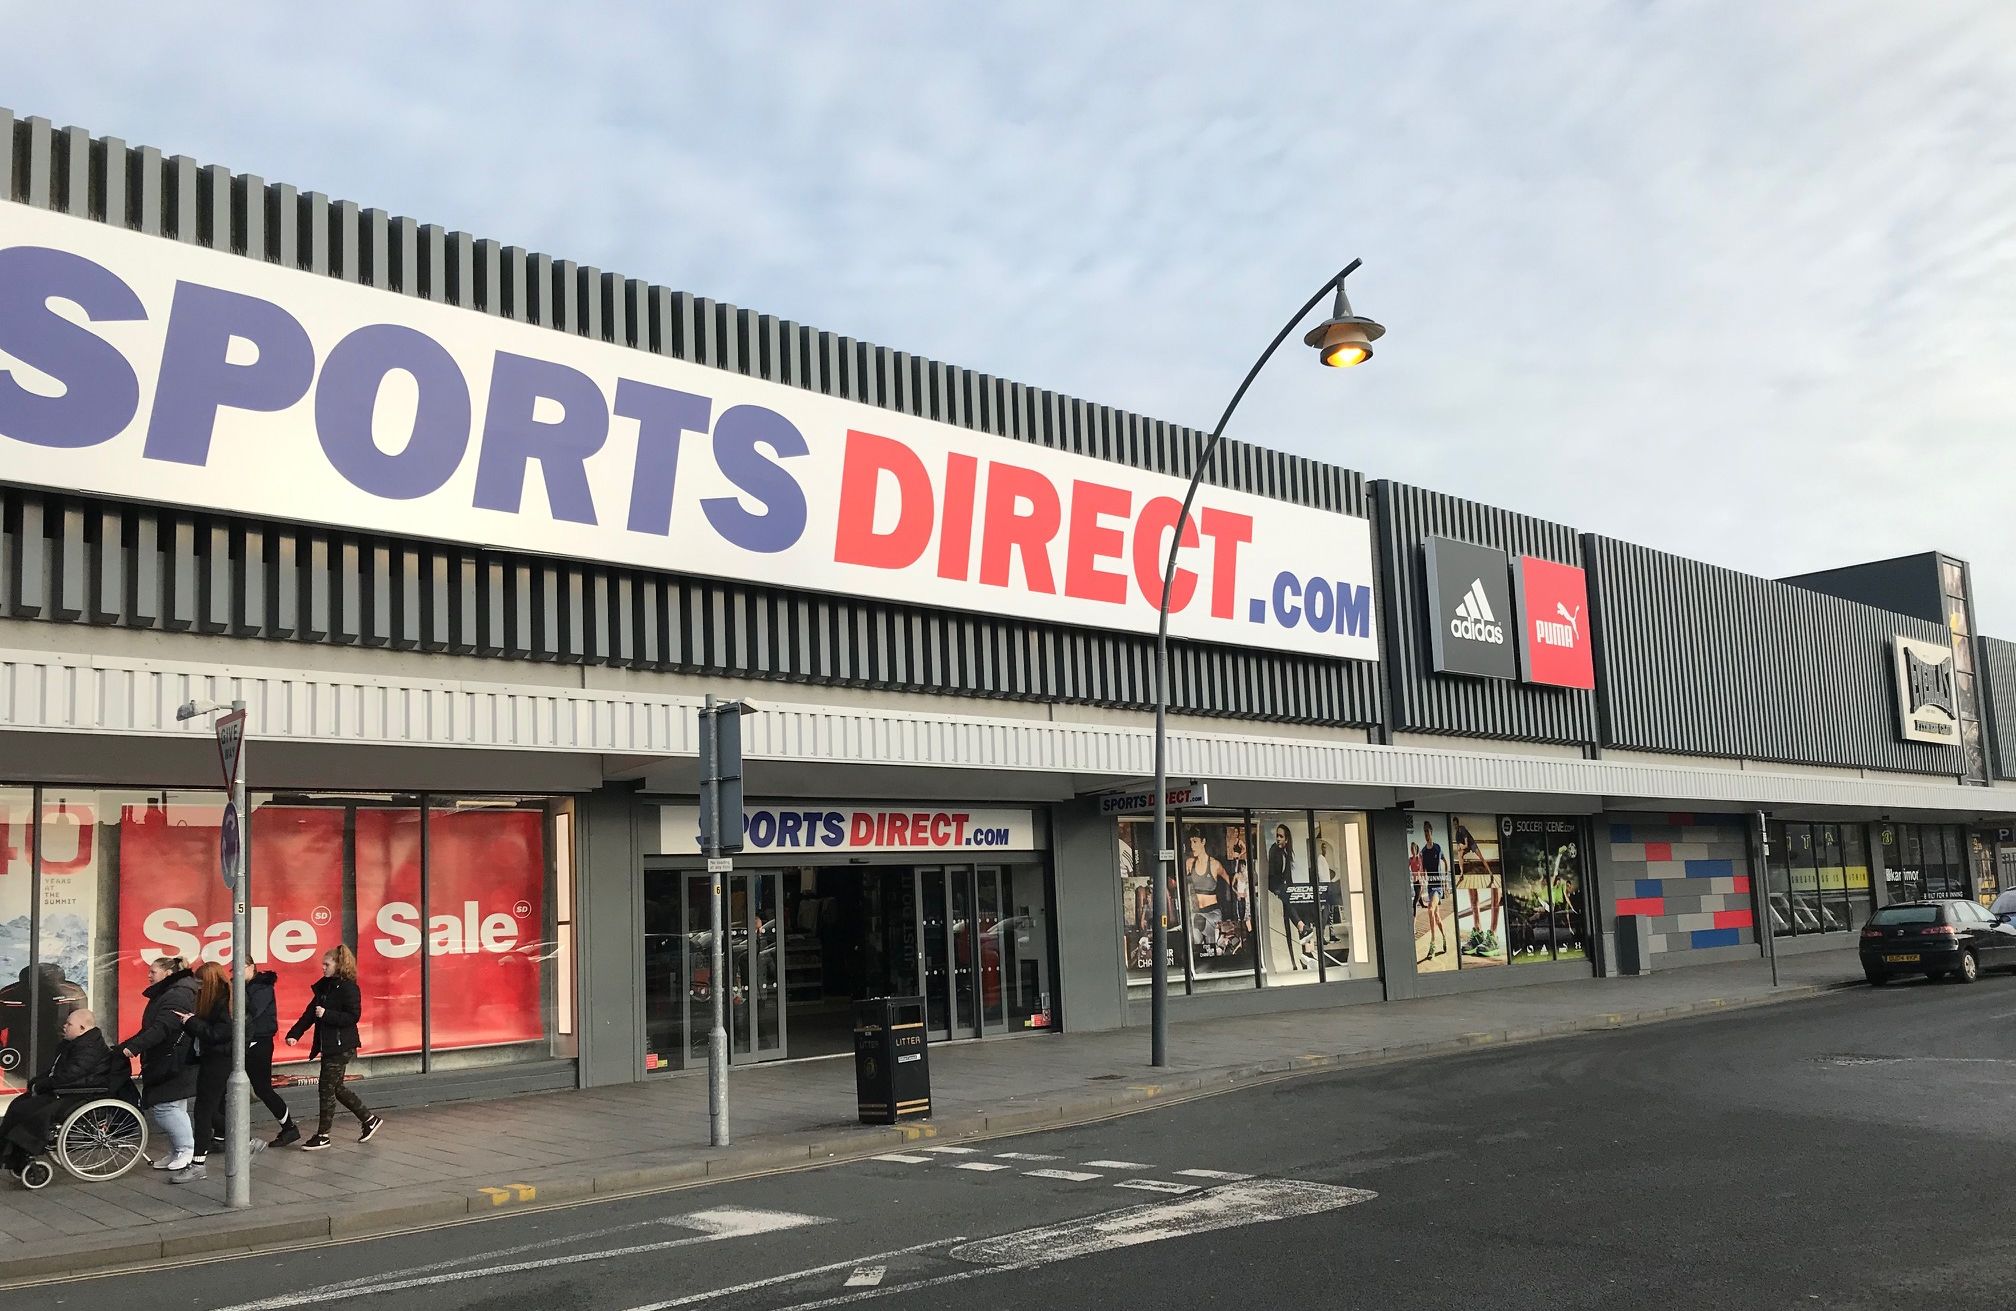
x,y
102,1140
37,1173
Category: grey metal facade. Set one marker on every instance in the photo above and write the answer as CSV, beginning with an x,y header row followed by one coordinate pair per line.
x,y
1996,664
1424,701
1699,659
93,562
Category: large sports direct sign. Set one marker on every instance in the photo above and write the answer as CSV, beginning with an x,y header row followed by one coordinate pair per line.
x,y
819,826
137,367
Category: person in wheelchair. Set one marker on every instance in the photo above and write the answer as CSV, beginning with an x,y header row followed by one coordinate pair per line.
x,y
83,1070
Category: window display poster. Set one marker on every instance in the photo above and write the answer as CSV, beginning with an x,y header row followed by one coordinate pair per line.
x,y
1217,880
1478,890
1137,919
1544,889
485,914
1292,908
173,902
1429,869
1340,883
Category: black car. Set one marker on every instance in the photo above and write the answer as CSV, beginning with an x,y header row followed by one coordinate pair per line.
x,y
1939,939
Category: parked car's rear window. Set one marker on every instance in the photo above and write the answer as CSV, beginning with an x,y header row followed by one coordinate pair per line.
x,y
1906,915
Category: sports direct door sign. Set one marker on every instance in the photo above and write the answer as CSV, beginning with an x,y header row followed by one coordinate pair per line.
x,y
1470,616
816,826
139,367
1927,708
1554,644
1143,803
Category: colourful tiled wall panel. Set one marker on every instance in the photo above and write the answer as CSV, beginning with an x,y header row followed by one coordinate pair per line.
x,y
1689,875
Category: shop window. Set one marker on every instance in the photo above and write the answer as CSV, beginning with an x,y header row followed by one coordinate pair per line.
x,y
1291,911
128,876
1546,902
1855,874
1429,871
1343,883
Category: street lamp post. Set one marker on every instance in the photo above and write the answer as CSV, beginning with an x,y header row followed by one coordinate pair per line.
x,y
1342,340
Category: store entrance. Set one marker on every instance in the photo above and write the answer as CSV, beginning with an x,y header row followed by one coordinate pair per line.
x,y
807,942
679,968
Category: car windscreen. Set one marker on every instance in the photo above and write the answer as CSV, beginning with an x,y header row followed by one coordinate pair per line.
x,y
1906,915
2004,904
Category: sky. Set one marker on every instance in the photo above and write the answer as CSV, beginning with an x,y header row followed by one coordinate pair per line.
x,y
1734,280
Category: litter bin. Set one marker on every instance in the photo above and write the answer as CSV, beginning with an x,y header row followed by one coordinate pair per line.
x,y
892,1076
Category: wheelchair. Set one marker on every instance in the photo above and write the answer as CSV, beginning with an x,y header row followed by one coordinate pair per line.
x,y
99,1139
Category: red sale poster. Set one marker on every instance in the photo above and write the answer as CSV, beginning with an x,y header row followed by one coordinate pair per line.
x,y
388,892
486,890
172,899
486,906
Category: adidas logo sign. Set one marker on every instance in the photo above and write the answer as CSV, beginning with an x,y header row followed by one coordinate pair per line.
x,y
1474,621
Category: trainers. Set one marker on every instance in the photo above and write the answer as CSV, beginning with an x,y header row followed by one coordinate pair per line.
x,y
174,1162
316,1144
190,1173
290,1133
371,1126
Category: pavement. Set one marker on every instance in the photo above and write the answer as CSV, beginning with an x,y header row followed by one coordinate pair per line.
x,y
444,1164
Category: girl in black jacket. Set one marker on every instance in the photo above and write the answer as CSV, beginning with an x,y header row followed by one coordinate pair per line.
x,y
262,1026
333,1013
209,1025
167,1078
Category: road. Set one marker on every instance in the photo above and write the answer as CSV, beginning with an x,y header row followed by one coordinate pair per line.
x,y
1847,1152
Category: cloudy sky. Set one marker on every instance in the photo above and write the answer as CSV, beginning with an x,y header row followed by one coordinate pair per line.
x,y
1731,279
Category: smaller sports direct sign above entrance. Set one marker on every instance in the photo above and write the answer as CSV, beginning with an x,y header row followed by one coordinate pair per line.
x,y
1140,803
817,826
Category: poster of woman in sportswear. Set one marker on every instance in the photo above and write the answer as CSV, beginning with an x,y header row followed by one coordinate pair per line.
x,y
1544,898
1434,936
1480,889
1215,868
1137,919
1291,899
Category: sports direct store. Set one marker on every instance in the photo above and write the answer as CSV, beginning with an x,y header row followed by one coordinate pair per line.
x,y
473,531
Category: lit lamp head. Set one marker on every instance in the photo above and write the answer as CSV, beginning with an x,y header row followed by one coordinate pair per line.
x,y
1344,339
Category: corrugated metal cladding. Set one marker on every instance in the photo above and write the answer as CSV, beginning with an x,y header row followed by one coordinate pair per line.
x,y
1424,701
175,569
1997,660
1695,658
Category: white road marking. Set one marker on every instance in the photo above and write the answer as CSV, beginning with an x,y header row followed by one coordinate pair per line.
x,y
1119,1165
692,1299
903,1158
1255,1201
1025,1156
1227,1176
1156,1186
714,1225
983,1166
868,1276
954,1151
1242,1203
1075,1176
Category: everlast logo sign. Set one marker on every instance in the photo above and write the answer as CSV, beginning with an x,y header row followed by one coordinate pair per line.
x,y
1469,595
1927,707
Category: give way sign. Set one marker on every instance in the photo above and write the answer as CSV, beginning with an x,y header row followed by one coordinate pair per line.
x,y
230,742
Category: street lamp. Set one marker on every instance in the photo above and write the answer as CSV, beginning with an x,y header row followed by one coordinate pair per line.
x,y
1342,340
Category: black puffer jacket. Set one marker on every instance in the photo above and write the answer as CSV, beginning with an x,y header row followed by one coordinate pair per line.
x,y
262,1018
166,1072
82,1062
336,1031
212,1033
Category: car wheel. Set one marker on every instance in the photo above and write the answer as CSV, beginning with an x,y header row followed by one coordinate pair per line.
x,y
1877,978
1970,968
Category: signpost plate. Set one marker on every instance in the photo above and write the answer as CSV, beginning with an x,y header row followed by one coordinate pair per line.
x,y
230,739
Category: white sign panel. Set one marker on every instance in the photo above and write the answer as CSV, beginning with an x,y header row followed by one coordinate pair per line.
x,y
815,826
230,741
1928,707
139,367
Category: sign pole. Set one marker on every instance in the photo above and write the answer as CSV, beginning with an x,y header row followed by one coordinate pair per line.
x,y
238,1088
1766,927
717,1037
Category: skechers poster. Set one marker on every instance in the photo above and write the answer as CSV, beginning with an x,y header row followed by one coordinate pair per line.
x,y
1546,904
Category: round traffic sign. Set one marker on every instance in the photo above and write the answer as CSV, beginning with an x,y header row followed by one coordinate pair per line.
x,y
229,842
